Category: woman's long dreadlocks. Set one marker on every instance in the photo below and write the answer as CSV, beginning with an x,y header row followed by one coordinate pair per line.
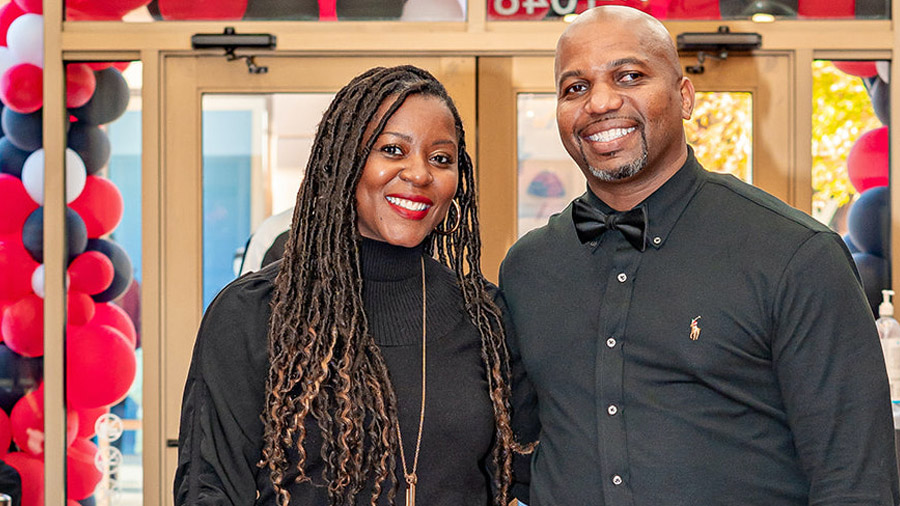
x,y
323,361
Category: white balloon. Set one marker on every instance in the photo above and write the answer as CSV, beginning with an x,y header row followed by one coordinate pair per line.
x,y
76,175
25,39
37,281
33,175
7,60
884,70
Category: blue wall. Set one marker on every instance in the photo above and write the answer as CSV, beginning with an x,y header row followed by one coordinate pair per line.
x,y
227,159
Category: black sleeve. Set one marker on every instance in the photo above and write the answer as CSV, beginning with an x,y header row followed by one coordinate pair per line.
x,y
831,371
220,439
523,406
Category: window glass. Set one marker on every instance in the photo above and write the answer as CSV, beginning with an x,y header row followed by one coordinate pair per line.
x,y
255,149
721,130
850,139
767,10
273,10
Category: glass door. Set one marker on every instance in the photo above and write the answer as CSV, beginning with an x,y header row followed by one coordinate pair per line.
x,y
234,146
741,125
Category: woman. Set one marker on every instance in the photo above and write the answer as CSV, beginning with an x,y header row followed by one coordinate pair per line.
x,y
374,351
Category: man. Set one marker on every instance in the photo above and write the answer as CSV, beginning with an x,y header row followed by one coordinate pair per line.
x,y
691,340
266,244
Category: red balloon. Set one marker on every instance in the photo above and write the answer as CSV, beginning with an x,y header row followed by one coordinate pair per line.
x,y
91,272
692,9
27,422
80,84
82,476
23,326
5,433
867,163
80,308
3,305
77,15
100,65
15,205
857,68
99,205
223,9
112,315
824,10
100,366
8,14
32,6
100,10
31,471
87,421
21,88
16,268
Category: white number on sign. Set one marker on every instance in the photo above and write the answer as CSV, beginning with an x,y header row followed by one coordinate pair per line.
x,y
558,8
530,5
506,10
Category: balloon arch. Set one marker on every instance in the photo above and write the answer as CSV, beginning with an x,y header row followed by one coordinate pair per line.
x,y
101,337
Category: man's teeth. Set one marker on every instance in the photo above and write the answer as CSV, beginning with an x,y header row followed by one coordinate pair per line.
x,y
408,204
611,134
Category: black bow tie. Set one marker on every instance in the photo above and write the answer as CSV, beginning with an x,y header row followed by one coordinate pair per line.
x,y
590,222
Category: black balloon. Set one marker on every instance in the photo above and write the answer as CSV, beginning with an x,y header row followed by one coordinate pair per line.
x,y
850,246
12,158
869,221
23,130
92,145
18,374
880,93
90,501
124,273
109,101
874,272
33,234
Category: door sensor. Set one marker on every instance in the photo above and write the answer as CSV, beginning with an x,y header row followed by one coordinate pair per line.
x,y
716,45
231,41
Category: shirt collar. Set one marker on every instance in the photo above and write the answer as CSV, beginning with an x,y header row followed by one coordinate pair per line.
x,y
668,202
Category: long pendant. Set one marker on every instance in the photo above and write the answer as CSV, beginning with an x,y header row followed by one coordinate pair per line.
x,y
411,490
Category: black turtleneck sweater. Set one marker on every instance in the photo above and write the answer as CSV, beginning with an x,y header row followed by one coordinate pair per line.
x,y
221,434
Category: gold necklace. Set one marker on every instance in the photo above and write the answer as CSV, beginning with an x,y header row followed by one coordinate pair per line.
x,y
411,477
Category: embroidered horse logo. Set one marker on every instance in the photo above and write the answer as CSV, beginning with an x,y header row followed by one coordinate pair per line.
x,y
695,329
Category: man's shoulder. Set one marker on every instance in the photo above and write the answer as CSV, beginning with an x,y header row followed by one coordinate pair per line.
x,y
755,203
552,235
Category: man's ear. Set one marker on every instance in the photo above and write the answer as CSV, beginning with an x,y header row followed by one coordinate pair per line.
x,y
687,98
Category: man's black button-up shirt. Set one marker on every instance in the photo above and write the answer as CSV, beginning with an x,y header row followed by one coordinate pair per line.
x,y
733,362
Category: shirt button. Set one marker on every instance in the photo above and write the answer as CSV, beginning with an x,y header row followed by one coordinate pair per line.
x,y
611,342
617,480
621,277
612,410
657,240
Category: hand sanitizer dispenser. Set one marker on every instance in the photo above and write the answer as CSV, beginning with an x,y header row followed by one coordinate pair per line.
x,y
889,332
